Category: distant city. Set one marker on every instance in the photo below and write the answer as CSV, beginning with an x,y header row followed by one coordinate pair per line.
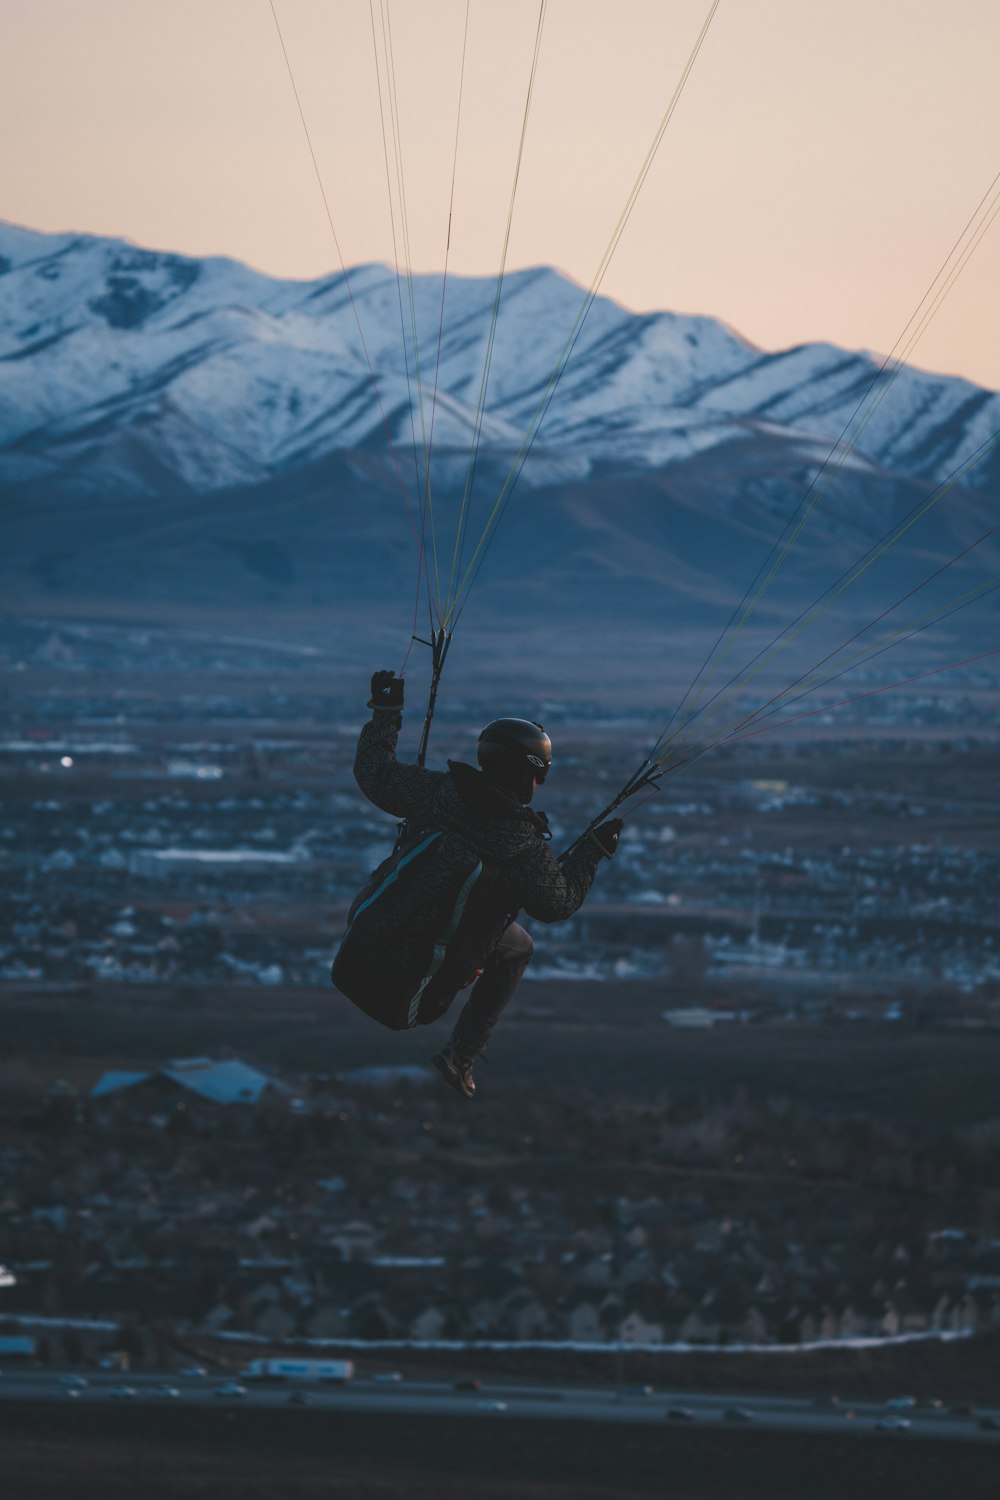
x,y
180,833
373,1209
137,847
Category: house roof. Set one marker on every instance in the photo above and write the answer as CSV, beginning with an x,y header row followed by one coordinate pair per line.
x,y
115,1080
222,1082
17,1344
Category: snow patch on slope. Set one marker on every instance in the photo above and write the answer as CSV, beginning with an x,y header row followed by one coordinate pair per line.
x,y
157,371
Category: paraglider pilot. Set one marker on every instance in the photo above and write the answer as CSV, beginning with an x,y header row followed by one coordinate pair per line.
x,y
473,854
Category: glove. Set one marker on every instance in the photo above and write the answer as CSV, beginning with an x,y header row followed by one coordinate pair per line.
x,y
387,692
607,835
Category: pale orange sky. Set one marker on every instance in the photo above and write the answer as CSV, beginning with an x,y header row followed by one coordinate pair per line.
x,y
825,155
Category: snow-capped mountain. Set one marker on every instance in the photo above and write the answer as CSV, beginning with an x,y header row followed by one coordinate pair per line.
x,y
173,426
159,372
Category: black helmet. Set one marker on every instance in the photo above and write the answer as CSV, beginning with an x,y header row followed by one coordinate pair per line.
x,y
512,752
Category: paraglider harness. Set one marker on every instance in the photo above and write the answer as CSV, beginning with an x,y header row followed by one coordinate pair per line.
x,y
421,927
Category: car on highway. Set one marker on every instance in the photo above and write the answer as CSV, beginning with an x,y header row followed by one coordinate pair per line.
x,y
893,1424
74,1382
192,1372
231,1388
468,1385
962,1410
678,1414
388,1377
737,1414
165,1392
491,1406
901,1403
989,1423
298,1398
123,1392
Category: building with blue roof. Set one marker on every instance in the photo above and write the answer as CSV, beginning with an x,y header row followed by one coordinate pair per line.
x,y
226,1081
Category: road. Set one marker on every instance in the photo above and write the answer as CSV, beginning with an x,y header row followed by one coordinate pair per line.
x,y
438,1398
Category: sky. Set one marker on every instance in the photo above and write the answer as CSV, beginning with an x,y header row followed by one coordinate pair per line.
x,y
822,161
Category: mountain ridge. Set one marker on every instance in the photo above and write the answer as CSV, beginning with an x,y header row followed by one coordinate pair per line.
x,y
193,430
645,388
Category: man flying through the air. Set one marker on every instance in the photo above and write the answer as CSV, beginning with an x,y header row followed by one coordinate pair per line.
x,y
510,867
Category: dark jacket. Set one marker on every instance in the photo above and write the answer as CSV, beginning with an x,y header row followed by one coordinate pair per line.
x,y
432,913
531,878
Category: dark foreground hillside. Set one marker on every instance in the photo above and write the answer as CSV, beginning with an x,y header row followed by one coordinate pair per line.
x,y
182,1455
605,1036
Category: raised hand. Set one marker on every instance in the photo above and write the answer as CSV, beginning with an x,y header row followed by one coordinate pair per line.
x,y
387,691
607,835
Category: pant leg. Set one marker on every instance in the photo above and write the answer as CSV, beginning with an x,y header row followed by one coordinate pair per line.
x,y
495,986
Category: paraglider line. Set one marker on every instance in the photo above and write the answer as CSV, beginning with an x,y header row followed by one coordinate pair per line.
x,y
347,279
843,584
654,782
846,447
886,644
857,697
447,253
422,566
405,226
392,218
464,509
878,549
439,647
421,542
495,516
864,655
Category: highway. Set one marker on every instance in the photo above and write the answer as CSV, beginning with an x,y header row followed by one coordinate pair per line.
x,y
414,1397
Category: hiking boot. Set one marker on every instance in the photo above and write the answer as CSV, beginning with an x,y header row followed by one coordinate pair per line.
x,y
454,1063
